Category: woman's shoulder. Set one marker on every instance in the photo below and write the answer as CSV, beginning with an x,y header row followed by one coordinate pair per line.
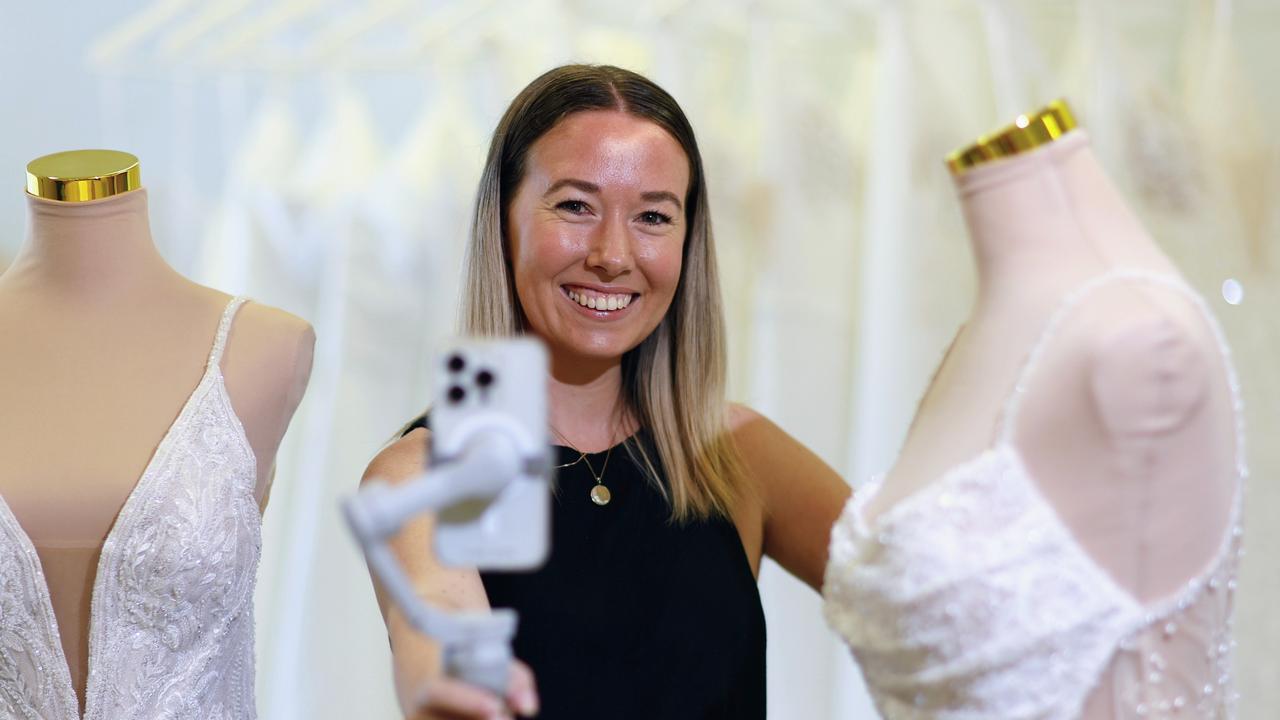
x,y
738,413
740,418
401,459
769,452
754,437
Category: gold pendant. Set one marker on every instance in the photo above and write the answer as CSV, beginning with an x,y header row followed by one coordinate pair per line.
x,y
600,495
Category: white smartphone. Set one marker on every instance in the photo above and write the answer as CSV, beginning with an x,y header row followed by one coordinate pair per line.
x,y
508,377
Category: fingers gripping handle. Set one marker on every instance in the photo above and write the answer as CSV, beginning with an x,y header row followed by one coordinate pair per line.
x,y
484,658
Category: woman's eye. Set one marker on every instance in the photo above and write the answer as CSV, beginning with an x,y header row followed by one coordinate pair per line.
x,y
575,207
653,217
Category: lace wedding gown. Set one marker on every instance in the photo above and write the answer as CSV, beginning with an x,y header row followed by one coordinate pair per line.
x,y
972,599
171,623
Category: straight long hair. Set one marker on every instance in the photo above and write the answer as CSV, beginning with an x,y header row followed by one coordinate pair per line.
x,y
674,380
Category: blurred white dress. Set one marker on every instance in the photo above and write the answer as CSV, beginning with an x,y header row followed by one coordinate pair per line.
x,y
972,599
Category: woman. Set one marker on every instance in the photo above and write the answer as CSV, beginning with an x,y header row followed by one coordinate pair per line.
x,y
592,233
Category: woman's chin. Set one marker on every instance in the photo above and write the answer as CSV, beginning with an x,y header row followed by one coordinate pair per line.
x,y
599,353
594,350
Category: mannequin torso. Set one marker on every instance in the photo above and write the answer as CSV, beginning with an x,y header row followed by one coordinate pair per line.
x,y
104,342
1128,388
1126,424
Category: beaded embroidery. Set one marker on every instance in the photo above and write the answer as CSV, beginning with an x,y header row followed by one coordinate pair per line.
x,y
171,622
971,598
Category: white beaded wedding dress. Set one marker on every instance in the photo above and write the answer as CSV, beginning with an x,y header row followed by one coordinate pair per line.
x,y
972,599
171,624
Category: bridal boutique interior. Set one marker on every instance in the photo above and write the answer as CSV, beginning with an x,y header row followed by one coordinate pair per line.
x,y
322,156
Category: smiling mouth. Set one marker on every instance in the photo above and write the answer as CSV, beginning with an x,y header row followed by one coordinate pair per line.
x,y
598,301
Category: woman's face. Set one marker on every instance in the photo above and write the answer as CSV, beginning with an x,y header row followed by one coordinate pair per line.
x,y
596,232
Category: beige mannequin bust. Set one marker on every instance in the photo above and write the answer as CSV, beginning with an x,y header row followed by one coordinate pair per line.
x,y
103,342
1126,422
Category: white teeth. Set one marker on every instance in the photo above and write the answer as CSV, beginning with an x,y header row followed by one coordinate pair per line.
x,y
604,303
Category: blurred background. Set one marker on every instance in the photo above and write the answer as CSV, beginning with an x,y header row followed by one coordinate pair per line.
x,y
322,156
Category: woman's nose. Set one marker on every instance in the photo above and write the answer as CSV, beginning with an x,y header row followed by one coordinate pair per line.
x,y
611,248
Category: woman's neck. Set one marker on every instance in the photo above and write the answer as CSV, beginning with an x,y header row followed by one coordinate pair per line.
x,y
98,251
586,402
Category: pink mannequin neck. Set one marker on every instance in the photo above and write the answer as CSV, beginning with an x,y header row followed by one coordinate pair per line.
x,y
96,250
1050,214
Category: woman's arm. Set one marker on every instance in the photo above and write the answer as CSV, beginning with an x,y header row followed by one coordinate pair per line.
x,y
801,495
424,692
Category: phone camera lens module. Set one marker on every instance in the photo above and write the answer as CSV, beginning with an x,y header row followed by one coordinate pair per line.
x,y
456,393
484,378
456,363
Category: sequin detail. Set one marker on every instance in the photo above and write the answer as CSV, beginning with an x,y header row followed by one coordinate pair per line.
x,y
971,598
171,622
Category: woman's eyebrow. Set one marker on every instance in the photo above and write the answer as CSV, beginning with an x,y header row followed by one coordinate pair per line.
x,y
582,185
660,196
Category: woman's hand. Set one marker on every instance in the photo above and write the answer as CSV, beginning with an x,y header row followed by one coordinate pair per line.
x,y
444,698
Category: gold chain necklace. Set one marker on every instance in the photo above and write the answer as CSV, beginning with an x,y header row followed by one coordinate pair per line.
x,y
600,494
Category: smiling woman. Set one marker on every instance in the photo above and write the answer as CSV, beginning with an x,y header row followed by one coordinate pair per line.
x,y
605,245
595,178
591,232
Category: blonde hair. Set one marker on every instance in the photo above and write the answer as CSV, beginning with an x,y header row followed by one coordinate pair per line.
x,y
674,380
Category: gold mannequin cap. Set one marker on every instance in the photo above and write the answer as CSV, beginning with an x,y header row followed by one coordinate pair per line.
x,y
1028,132
80,175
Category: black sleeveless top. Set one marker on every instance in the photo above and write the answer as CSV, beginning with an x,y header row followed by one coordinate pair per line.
x,y
634,617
